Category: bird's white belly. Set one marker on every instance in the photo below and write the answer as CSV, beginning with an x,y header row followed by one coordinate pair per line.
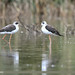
x,y
45,31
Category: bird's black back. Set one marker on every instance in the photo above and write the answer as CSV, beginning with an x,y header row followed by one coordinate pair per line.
x,y
53,30
8,28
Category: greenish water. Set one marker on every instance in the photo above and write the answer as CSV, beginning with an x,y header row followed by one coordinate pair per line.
x,y
31,56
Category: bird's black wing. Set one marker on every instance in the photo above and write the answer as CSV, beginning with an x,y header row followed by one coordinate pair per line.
x,y
8,28
53,30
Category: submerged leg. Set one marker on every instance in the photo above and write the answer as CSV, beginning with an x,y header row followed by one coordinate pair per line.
x,y
10,38
10,41
50,43
4,39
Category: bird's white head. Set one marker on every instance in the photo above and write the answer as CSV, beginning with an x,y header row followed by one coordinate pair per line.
x,y
44,23
16,23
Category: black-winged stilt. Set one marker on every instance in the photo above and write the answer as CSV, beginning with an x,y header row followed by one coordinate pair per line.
x,y
9,29
47,29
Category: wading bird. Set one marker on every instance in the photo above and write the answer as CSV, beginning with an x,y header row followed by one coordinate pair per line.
x,y
47,29
9,29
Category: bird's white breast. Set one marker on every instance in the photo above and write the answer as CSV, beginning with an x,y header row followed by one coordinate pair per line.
x,y
44,30
14,31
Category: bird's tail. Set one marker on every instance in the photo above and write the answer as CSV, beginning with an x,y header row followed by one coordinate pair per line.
x,y
61,35
57,33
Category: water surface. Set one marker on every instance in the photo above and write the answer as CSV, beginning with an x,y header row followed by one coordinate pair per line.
x,y
31,56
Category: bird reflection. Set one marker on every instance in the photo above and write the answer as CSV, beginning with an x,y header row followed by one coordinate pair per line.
x,y
7,46
45,62
10,59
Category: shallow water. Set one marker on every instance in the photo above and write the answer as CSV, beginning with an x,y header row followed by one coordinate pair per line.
x,y
31,56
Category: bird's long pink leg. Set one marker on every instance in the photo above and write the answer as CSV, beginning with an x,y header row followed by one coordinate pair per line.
x,y
50,43
4,39
10,41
